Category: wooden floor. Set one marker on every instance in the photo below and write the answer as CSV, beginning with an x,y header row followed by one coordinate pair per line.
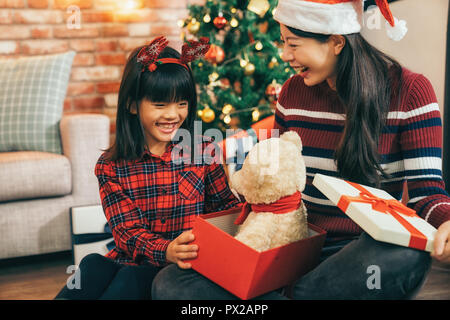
x,y
41,278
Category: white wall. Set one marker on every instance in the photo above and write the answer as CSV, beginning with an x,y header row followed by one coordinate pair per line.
x,y
423,48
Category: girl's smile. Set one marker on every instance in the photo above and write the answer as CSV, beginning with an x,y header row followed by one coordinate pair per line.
x,y
160,121
167,128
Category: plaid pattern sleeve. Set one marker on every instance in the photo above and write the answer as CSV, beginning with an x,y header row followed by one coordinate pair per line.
x,y
135,243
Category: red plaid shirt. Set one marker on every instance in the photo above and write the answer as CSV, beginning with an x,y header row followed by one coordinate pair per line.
x,y
150,201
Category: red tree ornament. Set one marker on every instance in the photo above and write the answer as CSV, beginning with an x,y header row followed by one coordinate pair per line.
x,y
220,22
273,91
215,55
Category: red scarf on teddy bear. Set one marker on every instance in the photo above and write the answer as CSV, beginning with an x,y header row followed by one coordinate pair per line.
x,y
283,205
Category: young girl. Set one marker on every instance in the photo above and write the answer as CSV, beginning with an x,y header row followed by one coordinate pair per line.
x,y
150,201
364,118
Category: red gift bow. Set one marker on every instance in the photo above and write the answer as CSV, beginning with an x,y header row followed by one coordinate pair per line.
x,y
418,240
283,205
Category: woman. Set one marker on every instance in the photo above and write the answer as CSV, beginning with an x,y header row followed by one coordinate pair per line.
x,y
362,117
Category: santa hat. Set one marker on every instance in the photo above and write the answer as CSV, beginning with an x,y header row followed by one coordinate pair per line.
x,y
334,16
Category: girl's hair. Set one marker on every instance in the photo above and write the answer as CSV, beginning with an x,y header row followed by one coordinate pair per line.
x,y
168,83
364,84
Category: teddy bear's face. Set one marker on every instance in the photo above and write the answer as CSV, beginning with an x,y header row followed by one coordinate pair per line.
x,y
274,168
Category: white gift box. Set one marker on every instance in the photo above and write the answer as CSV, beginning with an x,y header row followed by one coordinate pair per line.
x,y
87,225
378,213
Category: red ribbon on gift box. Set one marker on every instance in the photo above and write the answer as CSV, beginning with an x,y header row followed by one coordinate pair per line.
x,y
418,240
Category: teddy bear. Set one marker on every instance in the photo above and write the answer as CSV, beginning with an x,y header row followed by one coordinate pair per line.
x,y
271,180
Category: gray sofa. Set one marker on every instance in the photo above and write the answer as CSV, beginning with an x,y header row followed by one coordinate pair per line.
x,y
37,189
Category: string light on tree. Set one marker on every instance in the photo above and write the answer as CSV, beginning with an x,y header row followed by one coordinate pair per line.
x,y
207,18
227,119
255,115
215,54
227,108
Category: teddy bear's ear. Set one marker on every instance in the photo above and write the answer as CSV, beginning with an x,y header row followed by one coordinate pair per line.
x,y
293,137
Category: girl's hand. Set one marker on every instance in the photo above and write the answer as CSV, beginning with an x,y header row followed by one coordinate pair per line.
x,y
441,250
179,250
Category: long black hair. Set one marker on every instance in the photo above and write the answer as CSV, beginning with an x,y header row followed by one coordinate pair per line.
x,y
366,80
168,83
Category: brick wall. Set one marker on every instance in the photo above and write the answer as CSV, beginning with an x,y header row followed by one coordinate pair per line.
x,y
108,31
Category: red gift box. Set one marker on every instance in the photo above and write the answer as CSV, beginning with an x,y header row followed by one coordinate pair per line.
x,y
242,270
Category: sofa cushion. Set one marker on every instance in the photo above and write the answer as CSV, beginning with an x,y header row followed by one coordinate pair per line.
x,y
31,174
32,92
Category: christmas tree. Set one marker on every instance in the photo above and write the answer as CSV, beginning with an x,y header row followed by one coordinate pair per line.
x,y
241,76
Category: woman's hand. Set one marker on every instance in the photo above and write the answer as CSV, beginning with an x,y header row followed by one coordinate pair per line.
x,y
179,250
441,250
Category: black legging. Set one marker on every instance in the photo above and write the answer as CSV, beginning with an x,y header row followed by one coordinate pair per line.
x,y
102,278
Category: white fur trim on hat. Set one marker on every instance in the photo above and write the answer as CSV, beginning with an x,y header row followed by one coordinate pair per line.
x,y
340,18
397,32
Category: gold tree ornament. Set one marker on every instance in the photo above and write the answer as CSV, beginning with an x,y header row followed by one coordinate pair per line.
x,y
193,26
249,69
260,7
208,115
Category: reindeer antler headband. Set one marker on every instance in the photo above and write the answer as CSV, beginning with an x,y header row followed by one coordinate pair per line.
x,y
190,51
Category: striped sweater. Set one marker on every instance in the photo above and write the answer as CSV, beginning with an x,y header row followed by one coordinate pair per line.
x,y
410,147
